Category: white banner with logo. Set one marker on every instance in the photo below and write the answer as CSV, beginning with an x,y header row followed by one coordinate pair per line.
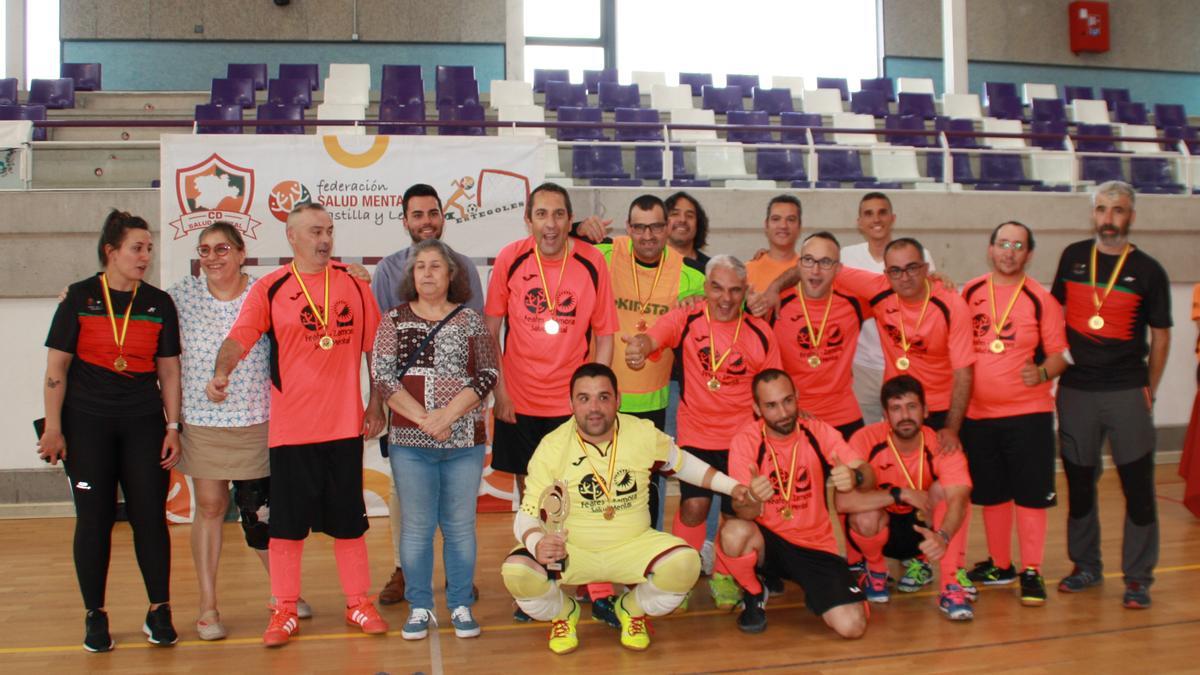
x,y
253,181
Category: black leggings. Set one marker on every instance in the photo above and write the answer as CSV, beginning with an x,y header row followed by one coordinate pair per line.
x,y
102,452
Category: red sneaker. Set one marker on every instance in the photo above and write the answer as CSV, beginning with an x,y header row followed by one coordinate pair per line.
x,y
284,624
366,617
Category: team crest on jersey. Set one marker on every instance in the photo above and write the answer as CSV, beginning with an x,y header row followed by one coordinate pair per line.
x,y
735,363
214,190
916,343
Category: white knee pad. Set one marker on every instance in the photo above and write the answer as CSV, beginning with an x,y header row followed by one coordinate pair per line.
x,y
536,595
544,607
655,601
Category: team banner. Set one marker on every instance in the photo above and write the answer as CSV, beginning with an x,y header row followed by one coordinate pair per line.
x,y
254,181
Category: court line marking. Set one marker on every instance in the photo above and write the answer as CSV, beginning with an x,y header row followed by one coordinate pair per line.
x,y
531,626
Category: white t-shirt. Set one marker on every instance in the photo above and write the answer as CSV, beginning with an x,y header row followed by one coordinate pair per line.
x,y
870,352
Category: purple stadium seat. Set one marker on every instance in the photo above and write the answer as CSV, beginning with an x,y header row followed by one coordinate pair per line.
x,y
303,71
883,84
869,102
289,91
232,91
447,73
1165,115
457,93
840,166
960,168
751,117
569,113
838,83
1114,96
772,101
283,113
1048,109
541,76
1002,170
211,112
402,91
615,95
54,94
593,78
560,93
615,182
1129,112
908,123
993,89
801,121
1006,107
471,112
721,99
400,72
781,164
645,115
1072,92
916,104
648,164
85,75
696,81
592,161
1107,144
1056,127
958,125
1098,169
1153,175
396,112
746,82
8,91
1190,134
255,71
32,113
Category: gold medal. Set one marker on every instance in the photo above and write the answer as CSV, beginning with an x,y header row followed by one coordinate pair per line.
x,y
641,325
551,327
785,491
903,363
714,384
786,512
814,360
1096,322
643,305
609,513
605,482
326,342
997,346
120,364
713,362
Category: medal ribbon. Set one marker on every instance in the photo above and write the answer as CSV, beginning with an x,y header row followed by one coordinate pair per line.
x,y
323,320
713,361
112,317
903,468
791,482
1112,278
637,288
999,325
820,334
921,317
605,483
551,298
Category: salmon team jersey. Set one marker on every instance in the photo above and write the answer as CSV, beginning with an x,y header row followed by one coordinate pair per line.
x,y
640,449
826,390
1034,330
538,365
818,447
765,269
708,419
939,346
870,445
1113,357
316,394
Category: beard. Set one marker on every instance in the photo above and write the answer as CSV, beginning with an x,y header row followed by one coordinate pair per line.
x,y
1111,235
907,429
785,426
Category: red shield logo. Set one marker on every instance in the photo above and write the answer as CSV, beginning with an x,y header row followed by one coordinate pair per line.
x,y
214,190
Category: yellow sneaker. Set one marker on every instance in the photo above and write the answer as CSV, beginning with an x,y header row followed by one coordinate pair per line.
x,y
635,630
563,637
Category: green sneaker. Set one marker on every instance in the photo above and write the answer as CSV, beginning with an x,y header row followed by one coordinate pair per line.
x,y
683,606
969,588
917,575
725,591
564,638
635,630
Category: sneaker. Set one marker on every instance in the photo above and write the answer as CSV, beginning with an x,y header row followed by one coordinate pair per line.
x,y
753,618
95,632
725,591
283,625
158,627
708,558
465,625
365,616
917,575
988,574
858,571
605,609
1137,596
876,587
564,639
1079,580
635,630
417,626
303,609
209,626
968,586
773,584
1033,588
954,604
520,616
393,590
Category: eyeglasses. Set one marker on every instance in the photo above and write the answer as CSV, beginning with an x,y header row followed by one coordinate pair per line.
x,y
825,263
1010,245
220,250
640,228
909,270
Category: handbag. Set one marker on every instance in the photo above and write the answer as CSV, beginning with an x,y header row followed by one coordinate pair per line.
x,y
412,358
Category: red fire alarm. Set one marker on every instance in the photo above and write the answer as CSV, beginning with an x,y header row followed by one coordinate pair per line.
x,y
1089,26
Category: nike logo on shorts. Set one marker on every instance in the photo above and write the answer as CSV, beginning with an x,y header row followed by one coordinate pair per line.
x,y
83,485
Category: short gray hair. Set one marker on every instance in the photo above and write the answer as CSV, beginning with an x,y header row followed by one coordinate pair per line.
x,y
726,260
1115,188
459,290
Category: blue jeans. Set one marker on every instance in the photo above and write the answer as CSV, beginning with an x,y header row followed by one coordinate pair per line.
x,y
437,489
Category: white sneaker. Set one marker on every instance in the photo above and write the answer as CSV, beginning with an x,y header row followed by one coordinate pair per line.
x,y
303,609
417,626
707,558
465,625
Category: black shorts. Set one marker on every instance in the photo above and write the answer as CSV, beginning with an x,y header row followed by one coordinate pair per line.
x,y
513,444
847,430
903,541
824,576
936,419
717,459
657,417
318,487
1011,459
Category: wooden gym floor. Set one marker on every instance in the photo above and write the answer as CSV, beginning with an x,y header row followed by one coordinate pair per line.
x,y
41,626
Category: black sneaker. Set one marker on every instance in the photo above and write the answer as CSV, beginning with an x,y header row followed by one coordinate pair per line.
x,y
520,616
158,627
605,609
988,574
1079,580
1033,588
1137,596
773,584
753,618
95,636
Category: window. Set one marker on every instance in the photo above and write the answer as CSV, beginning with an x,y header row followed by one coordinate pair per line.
x,y
567,34
42,55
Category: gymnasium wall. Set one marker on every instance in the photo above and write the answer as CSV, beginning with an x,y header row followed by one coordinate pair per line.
x,y
154,44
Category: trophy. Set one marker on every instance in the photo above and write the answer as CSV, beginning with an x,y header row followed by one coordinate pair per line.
x,y
553,507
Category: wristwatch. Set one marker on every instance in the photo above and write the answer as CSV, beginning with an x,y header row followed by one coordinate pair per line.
x,y
896,495
945,537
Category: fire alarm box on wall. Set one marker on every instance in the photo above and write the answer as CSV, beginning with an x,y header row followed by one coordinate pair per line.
x,y
1089,26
